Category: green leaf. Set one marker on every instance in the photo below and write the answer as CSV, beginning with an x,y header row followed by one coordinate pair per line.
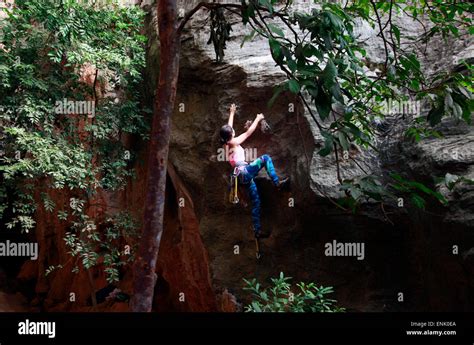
x,y
248,38
414,60
435,114
336,21
329,74
323,103
277,91
292,64
256,307
418,201
448,100
464,102
328,144
293,86
396,31
276,30
451,180
457,111
325,151
247,12
465,92
343,140
299,52
421,187
336,93
267,4
275,49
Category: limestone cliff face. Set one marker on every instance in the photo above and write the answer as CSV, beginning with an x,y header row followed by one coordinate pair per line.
x,y
413,255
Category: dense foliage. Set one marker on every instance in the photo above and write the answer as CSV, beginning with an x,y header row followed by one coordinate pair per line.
x,y
282,297
56,57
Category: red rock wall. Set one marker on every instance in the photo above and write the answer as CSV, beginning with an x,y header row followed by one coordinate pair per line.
x,y
183,265
183,261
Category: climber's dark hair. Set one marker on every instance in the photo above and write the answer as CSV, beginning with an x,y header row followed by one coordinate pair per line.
x,y
225,133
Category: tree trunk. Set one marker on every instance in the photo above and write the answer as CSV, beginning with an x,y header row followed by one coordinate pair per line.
x,y
145,264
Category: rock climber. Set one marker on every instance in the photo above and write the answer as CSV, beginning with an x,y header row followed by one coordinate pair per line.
x,y
248,171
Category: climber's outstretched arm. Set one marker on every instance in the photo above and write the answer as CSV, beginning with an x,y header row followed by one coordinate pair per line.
x,y
231,115
244,136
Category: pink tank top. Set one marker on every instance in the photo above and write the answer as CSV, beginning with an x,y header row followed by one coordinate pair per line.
x,y
236,155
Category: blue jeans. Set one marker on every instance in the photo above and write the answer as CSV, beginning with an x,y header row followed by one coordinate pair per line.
x,y
247,175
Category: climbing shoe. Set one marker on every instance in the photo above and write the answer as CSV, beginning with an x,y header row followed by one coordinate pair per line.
x,y
284,184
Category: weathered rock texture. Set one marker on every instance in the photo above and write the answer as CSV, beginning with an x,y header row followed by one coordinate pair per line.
x,y
207,246
414,255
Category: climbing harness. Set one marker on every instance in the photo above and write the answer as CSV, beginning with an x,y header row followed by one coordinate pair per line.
x,y
234,186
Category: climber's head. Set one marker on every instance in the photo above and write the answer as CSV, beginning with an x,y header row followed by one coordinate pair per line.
x,y
226,133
